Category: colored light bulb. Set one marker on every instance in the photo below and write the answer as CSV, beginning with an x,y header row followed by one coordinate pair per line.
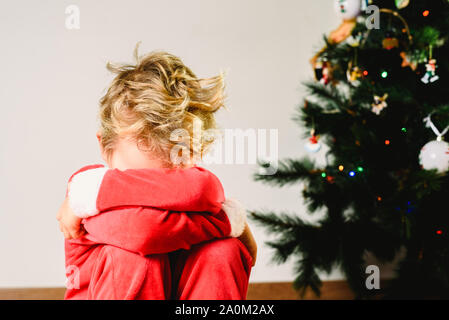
x,y
340,167
323,174
425,13
384,74
351,173
360,169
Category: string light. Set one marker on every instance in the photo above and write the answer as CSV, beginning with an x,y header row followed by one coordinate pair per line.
x,y
439,232
351,173
360,169
365,73
404,130
379,198
384,74
323,174
387,142
426,13
341,168
410,207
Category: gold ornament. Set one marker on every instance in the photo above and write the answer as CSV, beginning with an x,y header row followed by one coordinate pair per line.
x,y
390,43
354,74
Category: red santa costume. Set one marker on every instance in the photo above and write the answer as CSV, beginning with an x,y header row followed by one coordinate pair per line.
x,y
155,234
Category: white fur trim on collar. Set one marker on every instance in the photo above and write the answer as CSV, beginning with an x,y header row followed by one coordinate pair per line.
x,y
237,216
83,192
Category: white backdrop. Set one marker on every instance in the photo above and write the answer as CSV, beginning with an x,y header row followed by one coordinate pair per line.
x,y
51,79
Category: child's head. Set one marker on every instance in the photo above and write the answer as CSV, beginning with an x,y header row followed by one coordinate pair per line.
x,y
147,102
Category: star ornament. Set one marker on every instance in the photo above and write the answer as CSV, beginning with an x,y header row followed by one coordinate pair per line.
x,y
406,61
379,104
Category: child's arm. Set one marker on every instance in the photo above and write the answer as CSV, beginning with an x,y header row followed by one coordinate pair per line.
x,y
141,228
156,234
95,189
148,231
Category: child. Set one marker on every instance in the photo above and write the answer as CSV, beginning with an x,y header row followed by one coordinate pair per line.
x,y
154,228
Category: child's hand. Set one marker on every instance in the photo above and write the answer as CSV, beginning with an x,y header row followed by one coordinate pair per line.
x,y
248,240
69,223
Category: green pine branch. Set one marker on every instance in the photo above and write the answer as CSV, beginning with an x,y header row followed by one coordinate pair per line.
x,y
289,171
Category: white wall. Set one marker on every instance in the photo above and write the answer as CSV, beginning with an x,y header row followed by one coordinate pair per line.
x,y
51,80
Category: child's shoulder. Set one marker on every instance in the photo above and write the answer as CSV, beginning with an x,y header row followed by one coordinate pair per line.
x,y
85,168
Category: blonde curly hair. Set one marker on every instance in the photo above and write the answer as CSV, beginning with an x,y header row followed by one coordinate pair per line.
x,y
155,97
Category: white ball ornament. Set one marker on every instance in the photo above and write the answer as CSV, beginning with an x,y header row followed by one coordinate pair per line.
x,y
435,155
313,145
348,9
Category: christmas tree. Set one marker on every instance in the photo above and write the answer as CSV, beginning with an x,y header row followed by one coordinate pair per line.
x,y
380,95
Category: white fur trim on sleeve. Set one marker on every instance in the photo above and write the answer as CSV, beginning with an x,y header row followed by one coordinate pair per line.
x,y
237,216
83,192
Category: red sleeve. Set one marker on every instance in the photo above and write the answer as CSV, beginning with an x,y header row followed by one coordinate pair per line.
x,y
192,190
142,215
147,231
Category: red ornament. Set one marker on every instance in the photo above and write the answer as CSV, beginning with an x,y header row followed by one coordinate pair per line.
x,y
322,72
